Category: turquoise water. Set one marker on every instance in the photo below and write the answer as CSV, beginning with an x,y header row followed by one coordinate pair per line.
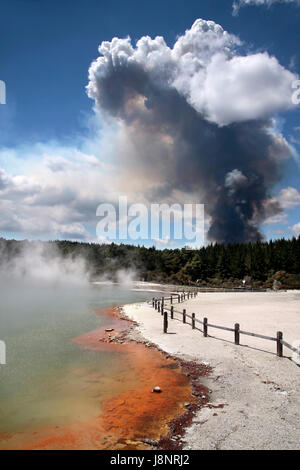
x,y
47,376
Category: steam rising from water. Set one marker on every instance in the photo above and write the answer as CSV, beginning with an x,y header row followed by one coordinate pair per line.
x,y
40,263
46,300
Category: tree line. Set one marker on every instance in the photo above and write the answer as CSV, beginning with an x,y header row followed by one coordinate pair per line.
x,y
260,263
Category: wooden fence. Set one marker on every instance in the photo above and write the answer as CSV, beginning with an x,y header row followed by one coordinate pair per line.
x,y
160,305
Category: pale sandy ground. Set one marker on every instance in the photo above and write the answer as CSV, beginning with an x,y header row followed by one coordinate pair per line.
x,y
260,390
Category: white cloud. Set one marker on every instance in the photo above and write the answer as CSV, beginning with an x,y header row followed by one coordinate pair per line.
x,y
296,229
56,196
165,242
280,218
241,3
289,198
57,191
205,67
246,87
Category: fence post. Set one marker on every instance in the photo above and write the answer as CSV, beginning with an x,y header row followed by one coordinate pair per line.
x,y
165,322
158,306
279,343
152,301
237,333
193,321
179,298
183,315
171,299
188,295
205,327
162,305
172,312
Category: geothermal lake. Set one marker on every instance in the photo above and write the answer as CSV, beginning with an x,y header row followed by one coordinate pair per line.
x,y
50,381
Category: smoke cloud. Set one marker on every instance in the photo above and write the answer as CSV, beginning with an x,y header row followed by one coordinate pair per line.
x,y
197,119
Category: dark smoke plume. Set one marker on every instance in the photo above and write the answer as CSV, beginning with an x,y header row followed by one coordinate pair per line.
x,y
170,105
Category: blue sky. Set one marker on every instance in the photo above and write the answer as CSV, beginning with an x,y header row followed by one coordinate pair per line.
x,y
46,49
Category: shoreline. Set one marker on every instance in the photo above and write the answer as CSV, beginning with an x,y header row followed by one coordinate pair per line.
x,y
132,417
257,393
215,395
173,428
176,426
200,392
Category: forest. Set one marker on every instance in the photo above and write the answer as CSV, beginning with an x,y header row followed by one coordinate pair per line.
x,y
261,263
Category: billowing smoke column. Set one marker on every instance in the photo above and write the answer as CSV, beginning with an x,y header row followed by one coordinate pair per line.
x,y
198,116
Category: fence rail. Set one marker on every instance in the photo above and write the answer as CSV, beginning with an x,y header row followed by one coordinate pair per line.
x,y
159,305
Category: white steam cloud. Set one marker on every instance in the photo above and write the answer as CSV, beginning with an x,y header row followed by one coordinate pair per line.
x,y
37,263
